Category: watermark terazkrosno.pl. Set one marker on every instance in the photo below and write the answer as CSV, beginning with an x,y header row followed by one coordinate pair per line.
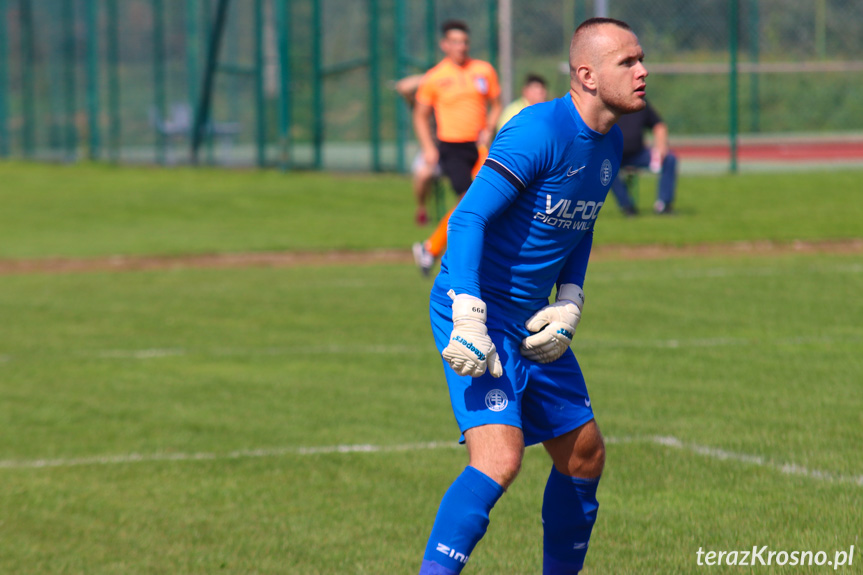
x,y
763,555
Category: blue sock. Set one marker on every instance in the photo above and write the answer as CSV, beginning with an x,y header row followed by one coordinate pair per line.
x,y
461,521
568,514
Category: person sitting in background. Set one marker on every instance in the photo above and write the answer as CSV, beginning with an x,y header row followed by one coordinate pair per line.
x,y
636,154
533,91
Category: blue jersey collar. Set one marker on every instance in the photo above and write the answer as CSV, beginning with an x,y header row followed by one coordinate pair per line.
x,y
582,127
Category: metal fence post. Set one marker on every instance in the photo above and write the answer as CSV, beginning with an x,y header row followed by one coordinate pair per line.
x,y
733,23
4,83
234,69
113,41
431,32
260,103
492,30
93,111
317,81
754,78
401,71
601,8
821,29
192,54
374,81
54,63
505,50
69,82
580,12
283,20
205,96
159,77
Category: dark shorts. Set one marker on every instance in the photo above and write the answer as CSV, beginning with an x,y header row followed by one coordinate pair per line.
x,y
457,160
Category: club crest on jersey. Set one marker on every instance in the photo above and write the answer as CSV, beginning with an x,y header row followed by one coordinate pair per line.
x,y
605,172
481,85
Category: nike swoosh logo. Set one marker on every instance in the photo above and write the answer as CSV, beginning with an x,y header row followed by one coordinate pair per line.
x,y
572,172
587,403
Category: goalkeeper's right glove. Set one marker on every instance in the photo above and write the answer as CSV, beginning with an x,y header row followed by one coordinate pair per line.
x,y
470,350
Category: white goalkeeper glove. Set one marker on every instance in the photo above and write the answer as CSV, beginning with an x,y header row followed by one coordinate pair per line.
x,y
553,326
470,350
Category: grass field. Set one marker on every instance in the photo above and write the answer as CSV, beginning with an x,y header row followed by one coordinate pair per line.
x,y
93,211
295,420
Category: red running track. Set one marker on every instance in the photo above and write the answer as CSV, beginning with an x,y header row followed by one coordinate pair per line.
x,y
776,152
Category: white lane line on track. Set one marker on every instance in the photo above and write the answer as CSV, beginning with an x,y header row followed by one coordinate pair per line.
x,y
664,441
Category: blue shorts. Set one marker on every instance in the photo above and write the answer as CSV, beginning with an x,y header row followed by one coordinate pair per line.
x,y
544,400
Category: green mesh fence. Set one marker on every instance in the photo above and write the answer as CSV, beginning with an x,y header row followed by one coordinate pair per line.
x,y
308,83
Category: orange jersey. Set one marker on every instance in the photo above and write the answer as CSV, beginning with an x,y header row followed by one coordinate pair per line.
x,y
459,96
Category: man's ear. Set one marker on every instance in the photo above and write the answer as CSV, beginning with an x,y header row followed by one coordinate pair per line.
x,y
586,76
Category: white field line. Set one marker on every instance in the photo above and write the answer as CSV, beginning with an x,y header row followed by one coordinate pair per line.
x,y
745,458
241,454
385,349
332,349
139,353
664,441
721,272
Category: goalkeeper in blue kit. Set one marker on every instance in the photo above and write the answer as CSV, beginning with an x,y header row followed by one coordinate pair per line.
x,y
524,227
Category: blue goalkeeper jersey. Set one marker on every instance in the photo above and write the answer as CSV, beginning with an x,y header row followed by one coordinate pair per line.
x,y
526,223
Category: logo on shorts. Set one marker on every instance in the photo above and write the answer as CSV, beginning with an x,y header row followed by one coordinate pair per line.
x,y
496,400
605,172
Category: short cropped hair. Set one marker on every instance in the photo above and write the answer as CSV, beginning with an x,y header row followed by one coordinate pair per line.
x,y
535,79
591,22
454,25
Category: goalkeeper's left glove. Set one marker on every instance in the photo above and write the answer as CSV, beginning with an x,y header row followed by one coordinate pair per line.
x,y
553,326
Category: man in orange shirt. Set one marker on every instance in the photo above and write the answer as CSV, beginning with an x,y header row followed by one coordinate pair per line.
x,y
464,95
423,174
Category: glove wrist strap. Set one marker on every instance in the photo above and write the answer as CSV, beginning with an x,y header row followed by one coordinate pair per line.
x,y
467,307
571,292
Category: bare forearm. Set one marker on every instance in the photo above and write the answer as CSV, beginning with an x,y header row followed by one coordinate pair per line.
x,y
494,112
422,127
660,139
